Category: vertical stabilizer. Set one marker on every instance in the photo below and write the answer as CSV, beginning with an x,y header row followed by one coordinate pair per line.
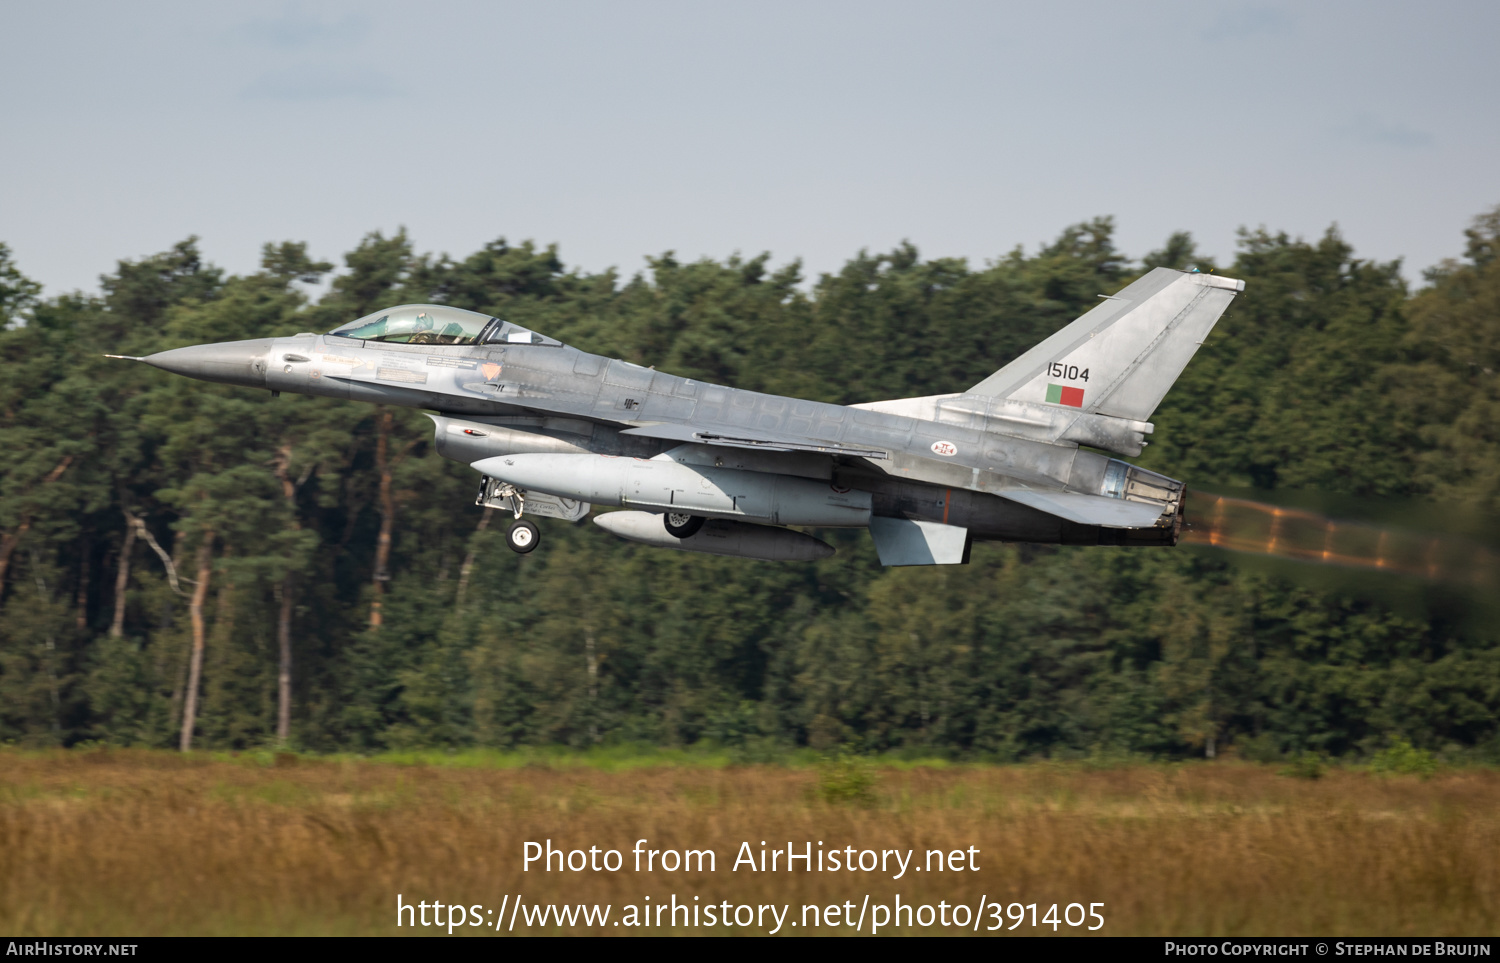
x,y
1121,358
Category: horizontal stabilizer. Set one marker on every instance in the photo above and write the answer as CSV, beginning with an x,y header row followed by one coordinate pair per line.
x,y
902,541
1088,509
764,442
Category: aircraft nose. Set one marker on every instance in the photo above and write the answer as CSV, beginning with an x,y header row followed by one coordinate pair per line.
x,y
229,362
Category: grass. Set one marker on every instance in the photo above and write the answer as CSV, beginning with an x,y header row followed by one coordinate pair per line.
x,y
104,842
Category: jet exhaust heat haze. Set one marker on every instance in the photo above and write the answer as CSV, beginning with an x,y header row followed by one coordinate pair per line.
x,y
1257,528
697,467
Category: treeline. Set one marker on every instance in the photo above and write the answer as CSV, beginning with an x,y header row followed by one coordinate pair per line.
x,y
309,571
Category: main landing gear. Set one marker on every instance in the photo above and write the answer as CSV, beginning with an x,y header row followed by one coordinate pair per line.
x,y
679,525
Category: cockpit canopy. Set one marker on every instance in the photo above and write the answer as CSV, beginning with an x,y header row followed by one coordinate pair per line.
x,y
437,324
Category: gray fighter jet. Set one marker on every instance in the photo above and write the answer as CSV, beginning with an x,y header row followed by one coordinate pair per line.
x,y
700,467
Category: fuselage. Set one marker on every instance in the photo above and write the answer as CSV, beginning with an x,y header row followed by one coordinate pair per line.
x,y
945,459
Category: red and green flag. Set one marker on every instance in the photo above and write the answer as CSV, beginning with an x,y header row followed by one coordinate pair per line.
x,y
1064,395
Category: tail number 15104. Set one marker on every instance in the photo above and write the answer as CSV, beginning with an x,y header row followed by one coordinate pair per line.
x,y
1068,372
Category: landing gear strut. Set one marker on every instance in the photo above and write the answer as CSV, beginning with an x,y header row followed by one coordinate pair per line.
x,y
522,537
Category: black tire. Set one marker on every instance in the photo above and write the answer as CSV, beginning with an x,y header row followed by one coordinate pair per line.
x,y
681,525
522,537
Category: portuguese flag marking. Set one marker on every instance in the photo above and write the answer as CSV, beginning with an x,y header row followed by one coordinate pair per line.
x,y
1064,395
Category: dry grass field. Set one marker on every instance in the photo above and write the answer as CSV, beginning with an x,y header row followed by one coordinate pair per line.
x,y
144,843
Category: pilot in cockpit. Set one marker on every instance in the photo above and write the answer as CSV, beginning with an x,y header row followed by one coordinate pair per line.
x,y
421,330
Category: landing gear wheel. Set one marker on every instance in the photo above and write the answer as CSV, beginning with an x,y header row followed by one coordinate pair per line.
x,y
522,537
683,526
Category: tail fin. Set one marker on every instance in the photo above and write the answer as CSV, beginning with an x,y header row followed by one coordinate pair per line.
x,y
1120,358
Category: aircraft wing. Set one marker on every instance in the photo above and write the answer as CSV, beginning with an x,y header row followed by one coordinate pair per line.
x,y
687,434
1087,509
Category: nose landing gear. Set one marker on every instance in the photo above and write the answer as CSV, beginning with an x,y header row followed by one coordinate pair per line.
x,y
522,537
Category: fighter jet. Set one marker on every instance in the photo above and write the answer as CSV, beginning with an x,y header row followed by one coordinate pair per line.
x,y
553,431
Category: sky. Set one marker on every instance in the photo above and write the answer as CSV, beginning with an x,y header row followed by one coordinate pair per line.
x,y
811,130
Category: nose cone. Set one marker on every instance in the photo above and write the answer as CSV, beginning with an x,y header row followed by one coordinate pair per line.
x,y
230,362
